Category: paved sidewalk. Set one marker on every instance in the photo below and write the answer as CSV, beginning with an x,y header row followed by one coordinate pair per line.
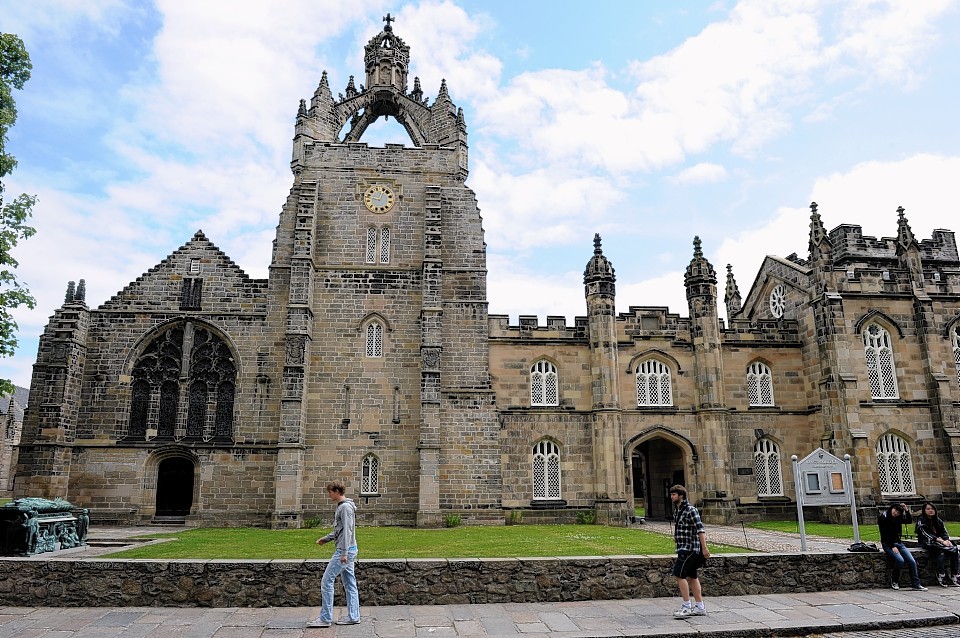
x,y
771,615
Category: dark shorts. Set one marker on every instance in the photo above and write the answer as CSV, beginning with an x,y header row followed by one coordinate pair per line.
x,y
686,565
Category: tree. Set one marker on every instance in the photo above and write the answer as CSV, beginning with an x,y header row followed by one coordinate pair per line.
x,y
14,72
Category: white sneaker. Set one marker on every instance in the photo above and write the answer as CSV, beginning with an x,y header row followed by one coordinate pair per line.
x,y
683,612
698,611
895,586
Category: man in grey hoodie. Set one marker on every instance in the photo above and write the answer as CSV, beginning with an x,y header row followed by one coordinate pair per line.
x,y
343,560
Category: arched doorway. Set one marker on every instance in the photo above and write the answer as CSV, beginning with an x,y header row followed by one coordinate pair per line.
x,y
174,487
657,464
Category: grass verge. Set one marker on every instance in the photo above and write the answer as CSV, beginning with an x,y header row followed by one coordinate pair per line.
x,y
509,541
868,530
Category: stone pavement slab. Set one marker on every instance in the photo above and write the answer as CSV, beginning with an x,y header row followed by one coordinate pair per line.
x,y
762,616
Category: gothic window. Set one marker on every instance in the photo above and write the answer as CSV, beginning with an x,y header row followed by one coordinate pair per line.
x,y
759,384
385,245
374,344
371,245
543,384
880,365
205,387
370,478
894,466
378,245
546,471
653,384
778,297
955,333
766,460
191,293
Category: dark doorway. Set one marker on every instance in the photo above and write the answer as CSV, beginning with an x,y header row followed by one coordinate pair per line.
x,y
174,487
663,468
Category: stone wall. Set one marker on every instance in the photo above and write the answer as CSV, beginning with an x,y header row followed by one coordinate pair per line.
x,y
276,583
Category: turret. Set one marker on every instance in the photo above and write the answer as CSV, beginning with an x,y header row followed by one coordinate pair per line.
x,y
731,296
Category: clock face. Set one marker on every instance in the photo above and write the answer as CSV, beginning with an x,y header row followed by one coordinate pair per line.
x,y
379,199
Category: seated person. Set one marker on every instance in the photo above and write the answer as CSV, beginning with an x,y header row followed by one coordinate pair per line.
x,y
933,537
891,524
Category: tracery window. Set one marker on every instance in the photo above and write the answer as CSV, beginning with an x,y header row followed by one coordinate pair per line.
x,y
759,384
894,466
653,384
160,386
880,365
378,245
370,475
374,339
543,384
778,297
766,460
546,471
955,335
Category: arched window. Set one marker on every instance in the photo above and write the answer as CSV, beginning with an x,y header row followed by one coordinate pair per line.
x,y
374,344
766,460
371,255
164,380
653,384
880,366
759,384
370,475
894,466
546,471
956,349
543,384
378,245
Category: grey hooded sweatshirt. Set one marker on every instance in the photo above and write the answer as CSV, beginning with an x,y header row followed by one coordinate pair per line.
x,y
344,532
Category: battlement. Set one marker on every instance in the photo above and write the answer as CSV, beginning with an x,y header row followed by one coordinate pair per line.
x,y
528,327
850,244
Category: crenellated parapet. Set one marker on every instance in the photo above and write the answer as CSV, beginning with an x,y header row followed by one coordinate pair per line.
x,y
529,329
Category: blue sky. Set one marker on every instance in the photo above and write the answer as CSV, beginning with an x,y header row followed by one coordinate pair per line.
x,y
648,122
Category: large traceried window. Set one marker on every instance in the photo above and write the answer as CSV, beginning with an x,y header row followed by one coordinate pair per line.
x,y
374,339
880,366
163,380
370,475
378,245
759,384
546,471
766,460
894,466
955,335
543,384
653,384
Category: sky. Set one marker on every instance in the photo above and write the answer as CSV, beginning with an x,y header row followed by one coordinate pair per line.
x,y
646,122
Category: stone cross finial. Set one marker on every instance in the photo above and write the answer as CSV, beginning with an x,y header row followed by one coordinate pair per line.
x,y
813,207
388,19
900,211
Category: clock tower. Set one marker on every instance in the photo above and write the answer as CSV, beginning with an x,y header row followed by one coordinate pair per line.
x,y
379,268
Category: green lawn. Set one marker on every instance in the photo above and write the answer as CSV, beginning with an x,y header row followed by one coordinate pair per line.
x,y
868,531
400,542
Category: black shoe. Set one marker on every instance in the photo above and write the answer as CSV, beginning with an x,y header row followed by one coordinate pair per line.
x,y
942,580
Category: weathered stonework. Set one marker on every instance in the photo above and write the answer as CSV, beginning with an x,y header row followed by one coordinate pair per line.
x,y
369,354
296,583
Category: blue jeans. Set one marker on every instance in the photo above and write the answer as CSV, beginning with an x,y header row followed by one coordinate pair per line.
x,y
899,558
345,570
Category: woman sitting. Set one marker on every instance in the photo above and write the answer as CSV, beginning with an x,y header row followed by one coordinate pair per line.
x,y
933,537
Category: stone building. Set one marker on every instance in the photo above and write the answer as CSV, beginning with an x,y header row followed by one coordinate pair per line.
x,y
11,417
199,394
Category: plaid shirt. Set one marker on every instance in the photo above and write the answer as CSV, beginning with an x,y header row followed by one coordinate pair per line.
x,y
686,527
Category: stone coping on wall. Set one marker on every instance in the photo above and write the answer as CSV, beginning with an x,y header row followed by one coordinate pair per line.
x,y
279,583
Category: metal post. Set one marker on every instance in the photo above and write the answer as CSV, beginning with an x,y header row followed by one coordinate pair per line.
x,y
799,486
853,499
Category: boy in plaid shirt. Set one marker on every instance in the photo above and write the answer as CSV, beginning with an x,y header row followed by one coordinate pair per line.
x,y
692,552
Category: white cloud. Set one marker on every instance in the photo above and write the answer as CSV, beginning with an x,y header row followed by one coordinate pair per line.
x,y
702,173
